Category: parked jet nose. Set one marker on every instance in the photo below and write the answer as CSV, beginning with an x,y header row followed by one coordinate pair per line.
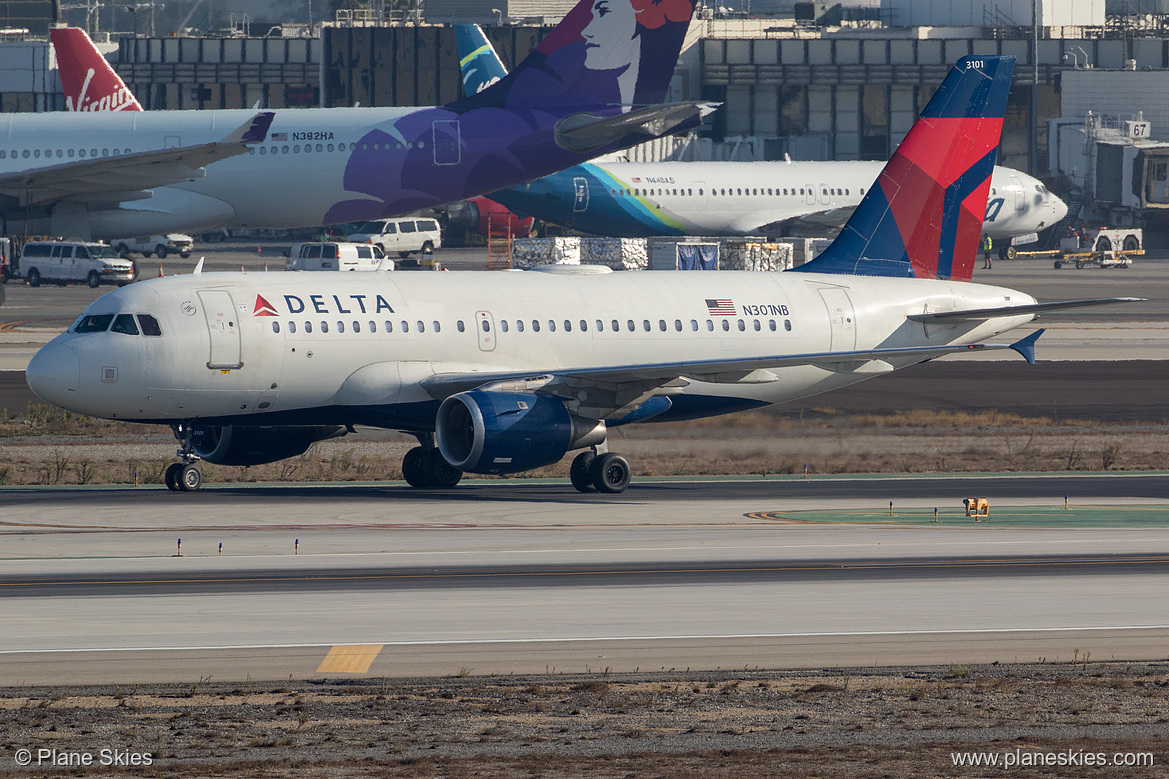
x,y
1059,209
54,373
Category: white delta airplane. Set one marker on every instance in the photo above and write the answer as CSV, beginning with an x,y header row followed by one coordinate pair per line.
x,y
501,372
636,199
105,170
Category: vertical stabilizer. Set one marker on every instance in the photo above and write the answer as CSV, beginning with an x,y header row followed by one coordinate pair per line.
x,y
479,65
88,80
604,54
923,216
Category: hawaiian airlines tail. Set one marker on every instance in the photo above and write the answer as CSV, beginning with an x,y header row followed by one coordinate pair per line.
x,y
610,54
90,84
923,216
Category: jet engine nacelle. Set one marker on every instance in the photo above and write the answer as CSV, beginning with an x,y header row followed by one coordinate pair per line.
x,y
504,432
252,445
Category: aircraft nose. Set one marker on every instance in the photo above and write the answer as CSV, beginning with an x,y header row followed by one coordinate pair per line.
x,y
54,373
1060,208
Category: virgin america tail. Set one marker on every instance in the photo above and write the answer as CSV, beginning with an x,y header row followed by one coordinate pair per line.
x,y
88,80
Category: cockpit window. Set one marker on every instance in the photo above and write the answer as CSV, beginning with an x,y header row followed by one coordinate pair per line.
x,y
124,323
94,323
149,325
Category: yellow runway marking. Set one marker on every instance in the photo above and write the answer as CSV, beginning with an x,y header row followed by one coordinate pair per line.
x,y
354,659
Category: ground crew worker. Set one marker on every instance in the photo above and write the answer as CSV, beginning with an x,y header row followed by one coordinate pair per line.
x,y
987,245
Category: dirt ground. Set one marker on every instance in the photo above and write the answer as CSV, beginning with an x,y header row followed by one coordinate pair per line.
x,y
906,722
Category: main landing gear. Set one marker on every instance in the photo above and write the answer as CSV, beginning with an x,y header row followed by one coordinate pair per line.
x,y
185,476
605,472
424,468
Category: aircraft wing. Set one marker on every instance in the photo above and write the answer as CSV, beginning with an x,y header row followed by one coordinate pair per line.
x,y
127,175
977,314
812,224
583,132
602,392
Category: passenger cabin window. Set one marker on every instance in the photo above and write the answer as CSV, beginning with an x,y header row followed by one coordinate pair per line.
x,y
94,323
124,323
150,325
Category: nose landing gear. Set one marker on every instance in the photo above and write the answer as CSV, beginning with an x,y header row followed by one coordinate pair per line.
x,y
185,476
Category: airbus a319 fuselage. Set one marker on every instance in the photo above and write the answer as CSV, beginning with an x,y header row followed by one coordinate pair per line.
x,y
356,348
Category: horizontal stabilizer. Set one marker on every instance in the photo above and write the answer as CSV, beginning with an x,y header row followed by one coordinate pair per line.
x,y
978,314
583,132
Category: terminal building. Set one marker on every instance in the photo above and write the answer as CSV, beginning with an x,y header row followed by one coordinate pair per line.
x,y
811,80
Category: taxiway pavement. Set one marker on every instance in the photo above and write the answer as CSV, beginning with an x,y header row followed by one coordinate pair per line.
x,y
531,578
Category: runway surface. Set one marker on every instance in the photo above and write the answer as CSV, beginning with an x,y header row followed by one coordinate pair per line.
x,y
532,578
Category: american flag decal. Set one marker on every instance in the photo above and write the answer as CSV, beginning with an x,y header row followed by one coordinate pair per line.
x,y
280,136
720,307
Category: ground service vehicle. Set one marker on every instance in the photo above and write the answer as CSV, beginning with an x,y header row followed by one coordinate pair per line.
x,y
162,245
65,261
403,236
335,255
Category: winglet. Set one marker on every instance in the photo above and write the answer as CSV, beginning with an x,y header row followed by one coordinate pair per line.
x,y
255,130
199,266
1026,346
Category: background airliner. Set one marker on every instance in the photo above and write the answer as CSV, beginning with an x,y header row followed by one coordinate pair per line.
x,y
503,372
105,174
725,198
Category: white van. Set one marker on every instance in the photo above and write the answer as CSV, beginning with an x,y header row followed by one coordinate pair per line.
x,y
336,255
403,236
64,261
162,245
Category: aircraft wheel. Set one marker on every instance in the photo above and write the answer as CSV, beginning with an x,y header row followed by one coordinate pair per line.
x,y
579,474
190,477
34,277
610,473
414,469
93,279
172,476
439,473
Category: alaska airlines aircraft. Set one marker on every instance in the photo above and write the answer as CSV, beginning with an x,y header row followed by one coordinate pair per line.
x,y
726,198
502,372
106,174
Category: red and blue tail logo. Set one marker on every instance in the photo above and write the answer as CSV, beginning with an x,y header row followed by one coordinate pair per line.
x,y
923,216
